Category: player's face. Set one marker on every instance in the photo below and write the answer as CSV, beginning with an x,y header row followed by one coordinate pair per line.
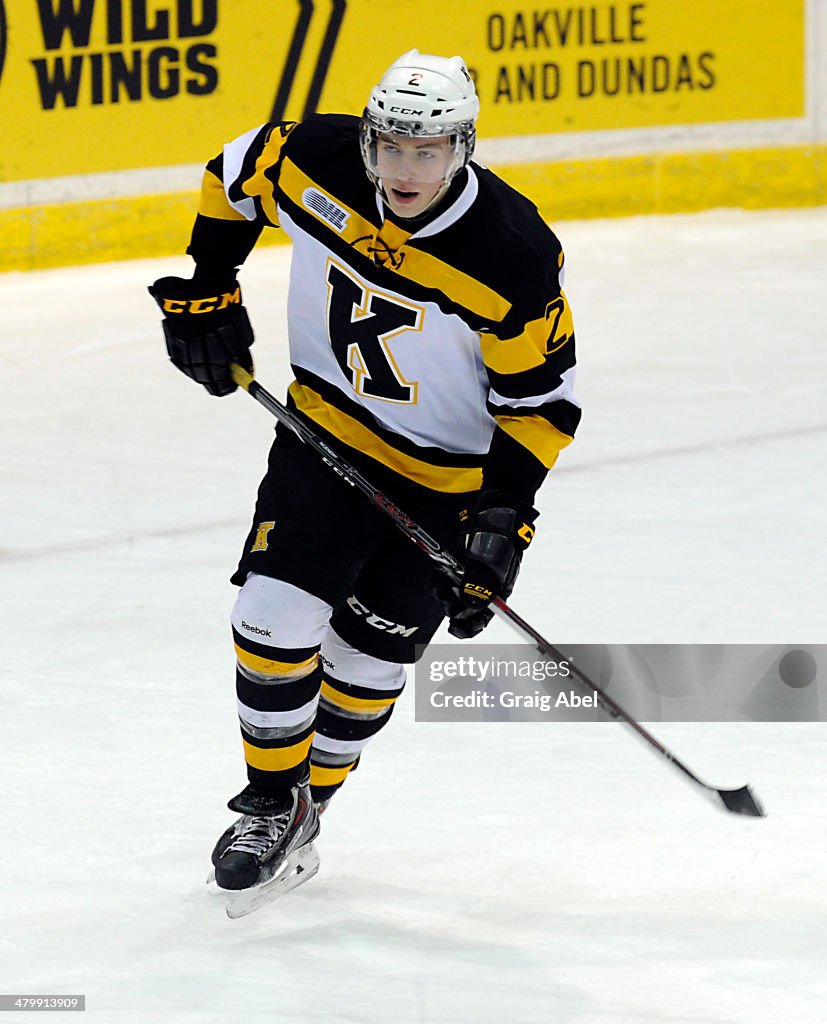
x,y
412,171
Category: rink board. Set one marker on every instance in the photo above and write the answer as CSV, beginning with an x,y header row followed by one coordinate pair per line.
x,y
607,109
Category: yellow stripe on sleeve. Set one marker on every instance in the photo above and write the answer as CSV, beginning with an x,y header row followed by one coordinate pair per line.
x,y
258,184
214,202
541,438
515,354
539,339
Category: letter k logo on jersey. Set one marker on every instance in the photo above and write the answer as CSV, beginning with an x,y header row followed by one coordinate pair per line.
x,y
361,322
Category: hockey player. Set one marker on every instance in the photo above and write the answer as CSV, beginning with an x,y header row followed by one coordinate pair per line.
x,y
432,345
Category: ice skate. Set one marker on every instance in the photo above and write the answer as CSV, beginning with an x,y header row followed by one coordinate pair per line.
x,y
268,851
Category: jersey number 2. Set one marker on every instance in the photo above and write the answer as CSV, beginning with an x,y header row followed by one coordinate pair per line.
x,y
360,323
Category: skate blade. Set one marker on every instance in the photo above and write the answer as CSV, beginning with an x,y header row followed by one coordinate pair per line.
x,y
299,867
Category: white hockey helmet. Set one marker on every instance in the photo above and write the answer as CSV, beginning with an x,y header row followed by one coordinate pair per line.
x,y
422,96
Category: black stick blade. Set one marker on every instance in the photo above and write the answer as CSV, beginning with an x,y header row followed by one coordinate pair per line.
x,y
741,801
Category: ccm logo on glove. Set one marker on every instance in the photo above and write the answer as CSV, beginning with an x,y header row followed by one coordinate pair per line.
x,y
205,305
206,328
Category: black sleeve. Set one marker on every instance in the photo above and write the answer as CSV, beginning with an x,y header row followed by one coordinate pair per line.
x,y
512,468
221,245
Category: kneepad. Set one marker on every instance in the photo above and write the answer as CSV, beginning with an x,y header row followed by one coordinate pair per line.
x,y
343,662
271,613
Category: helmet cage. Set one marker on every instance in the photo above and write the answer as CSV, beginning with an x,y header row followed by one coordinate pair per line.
x,y
462,136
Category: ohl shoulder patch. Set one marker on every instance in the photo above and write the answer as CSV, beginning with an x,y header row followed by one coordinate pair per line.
x,y
325,208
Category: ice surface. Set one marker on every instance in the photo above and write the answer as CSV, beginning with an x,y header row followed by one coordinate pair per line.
x,y
470,873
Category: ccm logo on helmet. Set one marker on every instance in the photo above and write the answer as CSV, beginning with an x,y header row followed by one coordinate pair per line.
x,y
377,621
406,110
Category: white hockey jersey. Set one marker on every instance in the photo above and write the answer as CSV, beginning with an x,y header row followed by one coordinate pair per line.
x,y
411,342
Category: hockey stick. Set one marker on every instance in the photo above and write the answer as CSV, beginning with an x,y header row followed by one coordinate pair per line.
x,y
738,801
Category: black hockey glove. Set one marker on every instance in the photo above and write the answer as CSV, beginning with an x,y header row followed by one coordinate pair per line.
x,y
500,530
206,328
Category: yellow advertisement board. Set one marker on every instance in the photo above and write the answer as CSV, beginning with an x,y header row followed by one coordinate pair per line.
x,y
542,69
96,85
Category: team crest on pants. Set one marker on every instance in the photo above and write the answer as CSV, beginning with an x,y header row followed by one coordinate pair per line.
x,y
262,533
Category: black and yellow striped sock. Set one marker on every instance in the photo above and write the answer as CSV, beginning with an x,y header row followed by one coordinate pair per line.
x,y
277,690
349,716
